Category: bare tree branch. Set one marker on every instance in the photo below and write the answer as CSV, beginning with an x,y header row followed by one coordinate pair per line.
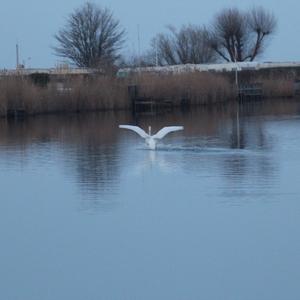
x,y
241,36
262,24
91,37
189,44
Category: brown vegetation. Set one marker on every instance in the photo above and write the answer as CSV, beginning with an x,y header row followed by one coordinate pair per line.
x,y
73,95
274,88
198,88
95,93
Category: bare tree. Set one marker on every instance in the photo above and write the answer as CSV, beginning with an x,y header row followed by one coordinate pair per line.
x,y
241,36
188,45
92,37
262,24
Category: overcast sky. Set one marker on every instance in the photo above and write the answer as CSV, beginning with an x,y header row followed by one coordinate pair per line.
x,y
34,22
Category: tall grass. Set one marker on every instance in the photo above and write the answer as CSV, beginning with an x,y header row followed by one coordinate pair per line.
x,y
79,94
275,83
74,95
278,88
198,88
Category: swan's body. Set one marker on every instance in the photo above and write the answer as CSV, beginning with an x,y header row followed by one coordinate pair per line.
x,y
151,140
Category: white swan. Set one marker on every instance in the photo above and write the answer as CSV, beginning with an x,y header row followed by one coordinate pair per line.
x,y
152,139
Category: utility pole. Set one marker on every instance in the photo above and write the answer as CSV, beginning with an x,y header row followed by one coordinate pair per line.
x,y
17,57
236,71
236,67
139,44
156,53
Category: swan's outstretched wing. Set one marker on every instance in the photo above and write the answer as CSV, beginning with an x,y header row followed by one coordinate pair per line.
x,y
136,129
164,131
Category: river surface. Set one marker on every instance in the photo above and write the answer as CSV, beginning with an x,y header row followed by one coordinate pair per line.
x,y
87,212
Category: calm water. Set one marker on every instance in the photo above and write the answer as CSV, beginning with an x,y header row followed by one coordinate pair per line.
x,y
86,212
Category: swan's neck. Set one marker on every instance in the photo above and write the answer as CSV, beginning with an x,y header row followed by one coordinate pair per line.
x,y
149,128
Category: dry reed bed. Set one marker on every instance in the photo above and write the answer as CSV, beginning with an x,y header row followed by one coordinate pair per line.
x,y
110,93
275,83
198,88
76,95
278,88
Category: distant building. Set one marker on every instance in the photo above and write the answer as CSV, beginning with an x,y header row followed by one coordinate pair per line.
x,y
222,67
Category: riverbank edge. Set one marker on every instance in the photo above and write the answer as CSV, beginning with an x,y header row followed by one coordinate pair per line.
x,y
41,94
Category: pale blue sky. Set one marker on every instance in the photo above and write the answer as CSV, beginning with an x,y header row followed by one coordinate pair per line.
x,y
34,22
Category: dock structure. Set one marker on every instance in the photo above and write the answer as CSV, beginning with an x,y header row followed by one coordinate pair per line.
x,y
253,91
17,114
147,104
297,87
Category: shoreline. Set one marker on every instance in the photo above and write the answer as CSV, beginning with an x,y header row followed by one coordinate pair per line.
x,y
41,94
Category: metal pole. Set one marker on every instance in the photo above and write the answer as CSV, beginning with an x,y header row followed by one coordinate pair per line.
x,y
156,53
236,67
139,45
17,57
236,71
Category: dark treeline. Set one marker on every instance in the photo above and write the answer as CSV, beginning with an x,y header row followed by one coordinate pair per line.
x,y
92,37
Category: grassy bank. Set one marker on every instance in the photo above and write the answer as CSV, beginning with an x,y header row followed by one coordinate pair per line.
x,y
95,93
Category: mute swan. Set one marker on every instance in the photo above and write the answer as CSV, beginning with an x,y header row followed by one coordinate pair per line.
x,y
152,139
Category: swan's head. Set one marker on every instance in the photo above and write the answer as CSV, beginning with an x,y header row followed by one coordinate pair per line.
x,y
149,130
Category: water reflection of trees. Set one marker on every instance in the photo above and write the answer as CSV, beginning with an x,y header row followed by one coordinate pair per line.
x,y
88,144
246,133
231,139
248,119
91,152
234,125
